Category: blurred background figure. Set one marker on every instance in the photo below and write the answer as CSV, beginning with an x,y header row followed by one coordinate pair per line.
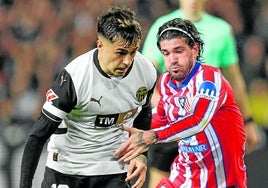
x,y
254,63
254,59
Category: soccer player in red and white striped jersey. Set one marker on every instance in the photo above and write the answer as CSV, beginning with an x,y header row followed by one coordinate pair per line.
x,y
197,108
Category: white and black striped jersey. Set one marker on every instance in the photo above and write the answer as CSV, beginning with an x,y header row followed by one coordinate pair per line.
x,y
92,106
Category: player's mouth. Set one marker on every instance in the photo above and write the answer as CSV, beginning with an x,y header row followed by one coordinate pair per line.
x,y
175,69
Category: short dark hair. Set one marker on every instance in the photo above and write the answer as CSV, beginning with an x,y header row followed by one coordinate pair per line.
x,y
179,27
120,22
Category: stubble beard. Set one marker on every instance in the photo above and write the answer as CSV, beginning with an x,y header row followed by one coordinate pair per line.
x,y
181,74
178,76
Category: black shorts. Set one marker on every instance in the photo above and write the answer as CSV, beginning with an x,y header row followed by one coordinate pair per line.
x,y
54,179
161,156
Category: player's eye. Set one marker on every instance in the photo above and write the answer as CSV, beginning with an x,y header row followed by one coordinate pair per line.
x,y
179,51
122,53
165,53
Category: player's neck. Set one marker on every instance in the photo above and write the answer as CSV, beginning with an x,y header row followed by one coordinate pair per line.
x,y
193,16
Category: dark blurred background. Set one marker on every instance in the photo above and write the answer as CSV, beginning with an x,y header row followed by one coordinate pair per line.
x,y
38,37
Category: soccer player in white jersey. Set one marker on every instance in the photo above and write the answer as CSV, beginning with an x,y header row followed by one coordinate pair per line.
x,y
197,108
85,108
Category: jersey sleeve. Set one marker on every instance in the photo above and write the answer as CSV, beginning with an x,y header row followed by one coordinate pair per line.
x,y
143,120
60,98
42,130
159,117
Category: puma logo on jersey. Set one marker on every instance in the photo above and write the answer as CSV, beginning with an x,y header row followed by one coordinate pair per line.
x,y
62,80
95,100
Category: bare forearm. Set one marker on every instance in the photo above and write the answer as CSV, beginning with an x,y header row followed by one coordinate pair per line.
x,y
242,99
146,138
138,143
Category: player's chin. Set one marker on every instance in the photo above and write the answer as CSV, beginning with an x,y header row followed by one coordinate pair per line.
x,y
176,75
120,72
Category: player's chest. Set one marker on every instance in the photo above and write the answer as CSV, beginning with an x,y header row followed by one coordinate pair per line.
x,y
178,104
112,96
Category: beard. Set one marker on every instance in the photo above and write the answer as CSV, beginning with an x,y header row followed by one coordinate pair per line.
x,y
180,73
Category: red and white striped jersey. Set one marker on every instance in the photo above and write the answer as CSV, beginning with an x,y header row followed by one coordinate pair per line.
x,y
203,116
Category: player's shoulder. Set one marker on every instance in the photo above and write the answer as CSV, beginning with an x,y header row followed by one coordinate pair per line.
x,y
80,61
209,68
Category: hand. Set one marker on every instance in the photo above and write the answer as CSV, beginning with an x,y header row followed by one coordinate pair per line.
x,y
137,169
138,142
253,137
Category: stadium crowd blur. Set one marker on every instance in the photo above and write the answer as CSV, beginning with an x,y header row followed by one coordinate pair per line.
x,y
38,37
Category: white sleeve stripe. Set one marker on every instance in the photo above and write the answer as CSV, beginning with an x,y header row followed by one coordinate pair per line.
x,y
50,117
53,110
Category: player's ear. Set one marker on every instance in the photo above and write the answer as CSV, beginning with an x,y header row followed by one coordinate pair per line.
x,y
195,50
99,43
